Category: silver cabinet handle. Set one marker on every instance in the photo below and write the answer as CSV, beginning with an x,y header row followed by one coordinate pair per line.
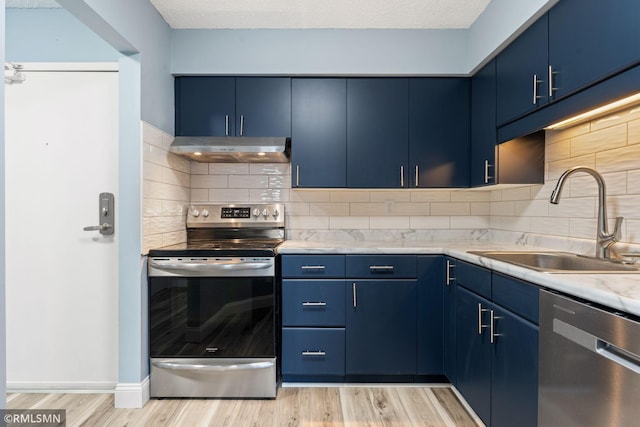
x,y
480,325
401,176
535,89
314,353
486,171
380,268
450,278
492,327
355,300
551,74
226,125
417,175
314,304
297,175
312,267
241,124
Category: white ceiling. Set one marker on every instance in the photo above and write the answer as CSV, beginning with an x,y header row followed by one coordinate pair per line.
x,y
357,14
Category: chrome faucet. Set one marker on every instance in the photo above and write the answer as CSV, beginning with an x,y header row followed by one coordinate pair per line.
x,y
604,240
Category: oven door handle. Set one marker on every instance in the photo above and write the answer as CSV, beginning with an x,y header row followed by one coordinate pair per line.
x,y
177,366
204,267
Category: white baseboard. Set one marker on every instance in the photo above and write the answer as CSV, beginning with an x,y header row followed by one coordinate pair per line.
x,y
60,387
132,395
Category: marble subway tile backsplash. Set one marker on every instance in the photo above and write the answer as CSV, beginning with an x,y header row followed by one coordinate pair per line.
x,y
521,215
166,191
608,144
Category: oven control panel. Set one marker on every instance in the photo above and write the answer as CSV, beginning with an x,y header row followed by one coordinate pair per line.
x,y
269,215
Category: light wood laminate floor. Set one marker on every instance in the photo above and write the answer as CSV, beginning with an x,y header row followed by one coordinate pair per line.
x,y
304,406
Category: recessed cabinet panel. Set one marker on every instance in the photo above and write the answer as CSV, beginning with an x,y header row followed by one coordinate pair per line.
x,y
319,133
590,40
205,106
522,73
377,135
381,327
439,113
263,106
484,134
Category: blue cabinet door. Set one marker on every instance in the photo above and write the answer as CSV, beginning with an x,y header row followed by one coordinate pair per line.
x,y
319,133
474,353
448,284
381,327
431,310
590,40
439,114
514,391
377,134
204,106
522,62
484,134
263,106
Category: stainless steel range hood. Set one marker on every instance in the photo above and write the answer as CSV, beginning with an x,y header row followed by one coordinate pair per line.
x,y
224,149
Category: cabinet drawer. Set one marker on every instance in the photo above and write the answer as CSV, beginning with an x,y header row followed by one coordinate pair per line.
x,y
474,278
313,302
313,351
517,296
381,266
313,266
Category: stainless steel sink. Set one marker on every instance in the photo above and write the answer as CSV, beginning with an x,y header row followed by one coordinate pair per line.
x,y
558,262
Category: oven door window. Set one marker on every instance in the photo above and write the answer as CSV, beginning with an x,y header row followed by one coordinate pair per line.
x,y
211,317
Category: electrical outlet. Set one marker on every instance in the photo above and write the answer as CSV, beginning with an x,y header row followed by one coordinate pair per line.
x,y
389,207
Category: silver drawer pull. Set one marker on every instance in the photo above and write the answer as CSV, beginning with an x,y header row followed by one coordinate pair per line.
x,y
314,353
312,267
380,268
314,304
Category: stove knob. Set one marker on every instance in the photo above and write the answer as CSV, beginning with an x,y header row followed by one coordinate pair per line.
x,y
256,212
265,213
196,213
205,213
276,213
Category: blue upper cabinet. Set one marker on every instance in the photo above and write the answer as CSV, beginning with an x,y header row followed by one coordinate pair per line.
x,y
522,73
319,133
439,114
263,106
230,106
590,40
205,106
377,134
484,134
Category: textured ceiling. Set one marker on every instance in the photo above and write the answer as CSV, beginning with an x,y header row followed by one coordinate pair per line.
x,y
46,4
378,14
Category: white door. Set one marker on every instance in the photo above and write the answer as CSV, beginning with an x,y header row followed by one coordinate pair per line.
x,y
62,282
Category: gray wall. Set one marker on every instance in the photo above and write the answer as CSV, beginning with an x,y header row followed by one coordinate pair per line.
x,y
3,324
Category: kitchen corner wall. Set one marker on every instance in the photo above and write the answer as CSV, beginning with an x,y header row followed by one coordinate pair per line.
x,y
166,191
611,145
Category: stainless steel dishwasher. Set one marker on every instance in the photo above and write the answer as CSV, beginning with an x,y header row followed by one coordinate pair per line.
x,y
589,365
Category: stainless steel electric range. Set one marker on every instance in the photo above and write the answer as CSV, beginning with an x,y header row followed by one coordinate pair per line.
x,y
212,305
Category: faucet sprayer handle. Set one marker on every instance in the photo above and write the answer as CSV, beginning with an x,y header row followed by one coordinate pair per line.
x,y
617,229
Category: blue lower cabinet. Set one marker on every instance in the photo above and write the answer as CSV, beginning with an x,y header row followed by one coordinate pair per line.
x,y
473,347
514,379
381,327
313,302
313,352
430,315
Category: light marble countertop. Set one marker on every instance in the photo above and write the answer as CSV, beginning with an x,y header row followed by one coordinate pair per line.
x,y
619,291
